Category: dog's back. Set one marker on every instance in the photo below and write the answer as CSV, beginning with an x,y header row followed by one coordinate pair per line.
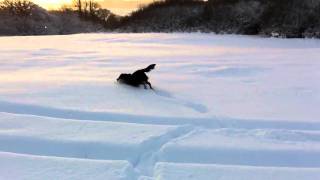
x,y
140,76
127,79
137,78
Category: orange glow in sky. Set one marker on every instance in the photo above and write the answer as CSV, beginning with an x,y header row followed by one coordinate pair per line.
x,y
121,7
51,4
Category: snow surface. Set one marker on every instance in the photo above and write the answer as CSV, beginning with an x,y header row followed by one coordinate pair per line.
x,y
224,107
171,171
16,166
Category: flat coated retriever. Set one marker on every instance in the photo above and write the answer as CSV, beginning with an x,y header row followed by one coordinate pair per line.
x,y
137,78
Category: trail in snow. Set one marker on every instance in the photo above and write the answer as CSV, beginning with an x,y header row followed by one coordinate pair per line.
x,y
195,106
143,146
214,122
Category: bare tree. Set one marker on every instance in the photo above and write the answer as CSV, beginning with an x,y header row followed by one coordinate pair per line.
x,y
93,7
7,4
78,5
18,7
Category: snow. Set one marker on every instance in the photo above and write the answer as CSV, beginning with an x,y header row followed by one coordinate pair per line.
x,y
171,171
85,139
16,166
224,107
246,147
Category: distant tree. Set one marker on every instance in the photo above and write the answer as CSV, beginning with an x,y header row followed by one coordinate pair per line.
x,y
94,7
91,10
18,7
78,5
86,8
7,5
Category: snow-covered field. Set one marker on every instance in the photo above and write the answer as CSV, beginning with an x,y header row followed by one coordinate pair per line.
x,y
224,107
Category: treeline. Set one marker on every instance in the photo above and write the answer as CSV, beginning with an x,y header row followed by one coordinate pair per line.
x,y
164,16
284,18
23,17
281,18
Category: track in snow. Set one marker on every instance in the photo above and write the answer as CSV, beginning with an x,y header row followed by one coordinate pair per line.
x,y
144,146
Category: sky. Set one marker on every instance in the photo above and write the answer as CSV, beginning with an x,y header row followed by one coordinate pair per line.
x,y
120,7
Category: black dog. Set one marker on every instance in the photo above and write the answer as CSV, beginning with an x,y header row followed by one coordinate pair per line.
x,y
137,78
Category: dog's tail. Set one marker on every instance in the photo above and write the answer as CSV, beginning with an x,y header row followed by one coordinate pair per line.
x,y
149,68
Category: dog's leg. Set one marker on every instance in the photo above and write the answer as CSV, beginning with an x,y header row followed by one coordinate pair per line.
x,y
145,86
149,84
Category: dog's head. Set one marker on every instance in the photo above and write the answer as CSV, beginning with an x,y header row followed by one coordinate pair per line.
x,y
124,78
